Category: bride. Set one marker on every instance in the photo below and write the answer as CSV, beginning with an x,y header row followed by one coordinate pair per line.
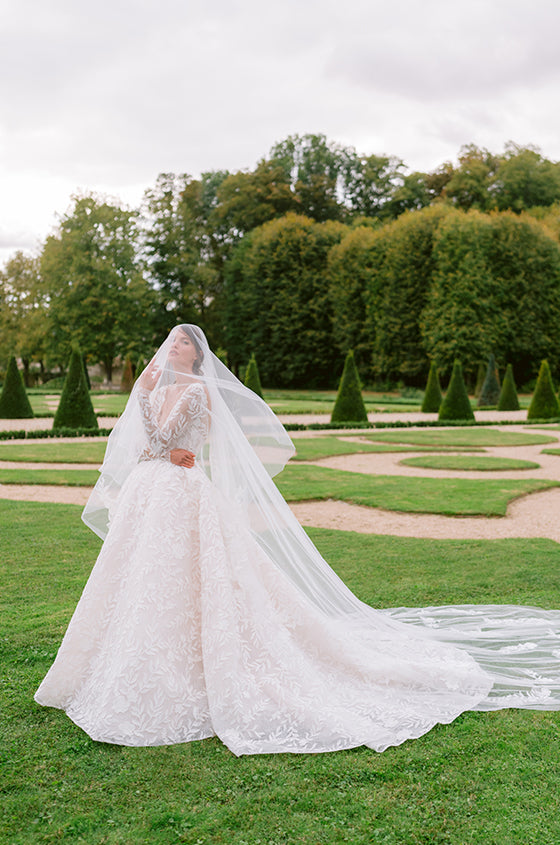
x,y
210,612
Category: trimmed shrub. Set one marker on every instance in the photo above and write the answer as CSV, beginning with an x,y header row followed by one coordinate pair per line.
x,y
456,405
127,380
84,362
349,405
432,397
508,400
544,404
480,375
75,409
490,392
14,404
252,379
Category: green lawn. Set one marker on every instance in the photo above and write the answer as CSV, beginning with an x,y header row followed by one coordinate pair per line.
x,y
52,451
466,436
315,448
64,477
479,463
487,778
452,496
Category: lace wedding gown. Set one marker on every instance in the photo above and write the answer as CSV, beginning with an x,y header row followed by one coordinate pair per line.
x,y
187,629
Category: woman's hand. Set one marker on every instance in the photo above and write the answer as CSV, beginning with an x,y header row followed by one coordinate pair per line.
x,y
149,377
182,458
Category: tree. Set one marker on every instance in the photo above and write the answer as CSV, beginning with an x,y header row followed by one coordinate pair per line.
x,y
186,244
490,391
278,302
98,295
252,378
472,183
508,400
432,396
23,312
399,290
127,379
314,166
349,405
460,316
526,179
75,409
544,404
14,404
456,405
351,264
370,184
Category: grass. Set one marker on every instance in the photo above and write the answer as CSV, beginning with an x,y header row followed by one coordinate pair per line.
x,y
89,452
315,448
487,778
64,477
451,496
461,437
480,463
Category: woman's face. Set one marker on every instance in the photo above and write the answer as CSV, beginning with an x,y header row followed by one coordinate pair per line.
x,y
183,352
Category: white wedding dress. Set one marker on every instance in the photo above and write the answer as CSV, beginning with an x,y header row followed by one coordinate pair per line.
x,y
188,628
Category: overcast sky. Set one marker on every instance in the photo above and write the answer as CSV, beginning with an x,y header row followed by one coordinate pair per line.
x,y
105,95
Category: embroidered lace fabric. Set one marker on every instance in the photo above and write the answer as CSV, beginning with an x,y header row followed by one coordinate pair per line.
x,y
191,626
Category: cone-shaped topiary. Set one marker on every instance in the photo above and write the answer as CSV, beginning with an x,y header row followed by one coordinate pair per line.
x,y
490,392
480,374
432,397
86,374
544,404
14,404
252,379
508,400
127,380
456,405
75,409
349,405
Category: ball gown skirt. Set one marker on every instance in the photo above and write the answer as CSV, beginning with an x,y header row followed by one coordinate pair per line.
x,y
186,629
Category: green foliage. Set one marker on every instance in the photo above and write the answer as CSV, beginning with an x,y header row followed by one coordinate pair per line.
x,y
127,379
14,404
278,302
432,396
349,405
490,391
459,317
252,379
508,400
544,404
99,297
86,373
480,376
456,405
75,409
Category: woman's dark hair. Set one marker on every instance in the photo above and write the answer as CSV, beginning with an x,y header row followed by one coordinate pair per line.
x,y
189,331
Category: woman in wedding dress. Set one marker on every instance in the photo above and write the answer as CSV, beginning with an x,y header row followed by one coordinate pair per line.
x,y
210,612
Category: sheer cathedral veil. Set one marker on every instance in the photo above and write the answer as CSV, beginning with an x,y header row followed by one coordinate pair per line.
x,y
519,647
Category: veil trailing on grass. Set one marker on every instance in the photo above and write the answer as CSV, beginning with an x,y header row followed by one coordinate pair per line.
x,y
516,648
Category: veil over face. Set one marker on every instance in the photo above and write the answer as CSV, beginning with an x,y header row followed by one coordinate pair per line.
x,y
244,434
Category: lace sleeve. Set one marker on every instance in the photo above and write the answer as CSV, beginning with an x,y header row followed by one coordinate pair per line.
x,y
162,439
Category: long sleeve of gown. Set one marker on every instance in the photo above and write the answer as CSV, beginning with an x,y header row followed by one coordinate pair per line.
x,y
162,439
